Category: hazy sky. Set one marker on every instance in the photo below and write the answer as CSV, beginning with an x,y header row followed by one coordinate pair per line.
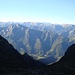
x,y
53,11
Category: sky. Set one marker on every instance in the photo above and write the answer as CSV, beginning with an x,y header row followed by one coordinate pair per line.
x,y
51,11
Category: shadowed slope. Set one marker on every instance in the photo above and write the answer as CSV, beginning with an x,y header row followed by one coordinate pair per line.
x,y
11,60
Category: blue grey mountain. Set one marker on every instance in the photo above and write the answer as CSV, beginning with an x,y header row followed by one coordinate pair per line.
x,y
43,41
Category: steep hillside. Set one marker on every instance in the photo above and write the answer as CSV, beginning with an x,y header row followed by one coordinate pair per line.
x,y
11,60
65,66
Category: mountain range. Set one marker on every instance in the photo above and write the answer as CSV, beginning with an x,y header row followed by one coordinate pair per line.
x,y
43,41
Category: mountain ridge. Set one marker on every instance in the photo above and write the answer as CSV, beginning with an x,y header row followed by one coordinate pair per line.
x,y
39,40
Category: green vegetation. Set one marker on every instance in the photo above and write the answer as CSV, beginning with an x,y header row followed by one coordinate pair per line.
x,y
37,46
